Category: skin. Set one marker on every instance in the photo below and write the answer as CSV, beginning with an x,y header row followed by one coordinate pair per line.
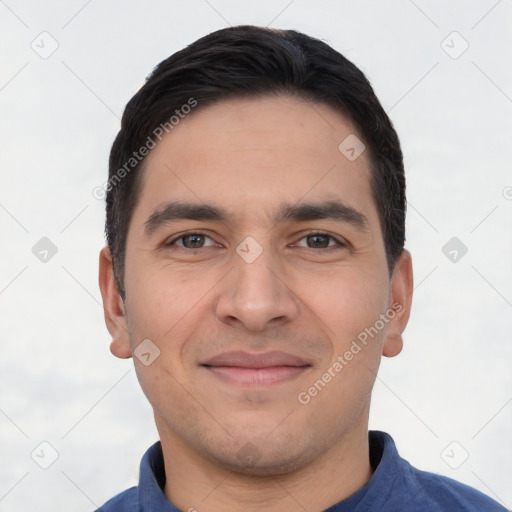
x,y
250,157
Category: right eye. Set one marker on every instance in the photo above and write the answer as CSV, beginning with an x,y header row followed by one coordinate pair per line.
x,y
191,241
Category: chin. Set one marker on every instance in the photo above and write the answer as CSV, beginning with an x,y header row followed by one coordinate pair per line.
x,y
264,455
250,461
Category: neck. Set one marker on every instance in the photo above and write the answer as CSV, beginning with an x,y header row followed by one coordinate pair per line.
x,y
197,484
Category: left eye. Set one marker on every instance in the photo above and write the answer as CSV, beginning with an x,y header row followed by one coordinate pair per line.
x,y
317,241
193,241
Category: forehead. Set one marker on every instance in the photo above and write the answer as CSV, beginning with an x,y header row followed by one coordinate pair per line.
x,y
250,154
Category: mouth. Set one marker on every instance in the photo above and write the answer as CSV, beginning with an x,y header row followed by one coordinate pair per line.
x,y
256,370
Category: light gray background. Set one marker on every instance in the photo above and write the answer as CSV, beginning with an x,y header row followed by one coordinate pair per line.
x,y
60,114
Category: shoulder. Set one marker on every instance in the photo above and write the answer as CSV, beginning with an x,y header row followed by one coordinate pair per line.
x,y
126,501
434,492
453,495
399,486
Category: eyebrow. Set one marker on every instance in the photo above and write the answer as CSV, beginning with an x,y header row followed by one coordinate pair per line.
x,y
330,210
178,211
300,212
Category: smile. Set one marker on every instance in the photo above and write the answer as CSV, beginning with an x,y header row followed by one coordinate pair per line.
x,y
256,370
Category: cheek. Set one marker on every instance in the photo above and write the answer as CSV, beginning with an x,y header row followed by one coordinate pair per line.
x,y
158,297
167,306
347,301
163,308
350,305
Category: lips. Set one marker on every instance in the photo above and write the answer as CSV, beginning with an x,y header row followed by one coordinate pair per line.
x,y
263,360
257,369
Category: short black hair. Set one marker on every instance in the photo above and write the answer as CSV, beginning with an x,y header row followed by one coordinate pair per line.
x,y
249,61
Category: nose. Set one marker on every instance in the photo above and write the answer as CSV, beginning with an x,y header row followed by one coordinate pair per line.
x,y
256,295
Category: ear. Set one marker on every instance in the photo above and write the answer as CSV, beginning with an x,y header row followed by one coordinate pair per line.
x,y
113,307
400,303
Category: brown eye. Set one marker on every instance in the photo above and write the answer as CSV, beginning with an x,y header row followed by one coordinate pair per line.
x,y
318,241
193,241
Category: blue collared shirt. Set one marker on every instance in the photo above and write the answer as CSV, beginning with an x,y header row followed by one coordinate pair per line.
x,y
395,486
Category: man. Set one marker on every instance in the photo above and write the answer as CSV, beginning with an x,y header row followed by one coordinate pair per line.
x,y
256,271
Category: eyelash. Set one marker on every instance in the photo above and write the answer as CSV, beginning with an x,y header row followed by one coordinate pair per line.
x,y
338,243
183,235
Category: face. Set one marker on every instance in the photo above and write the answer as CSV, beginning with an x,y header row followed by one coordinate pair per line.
x,y
255,265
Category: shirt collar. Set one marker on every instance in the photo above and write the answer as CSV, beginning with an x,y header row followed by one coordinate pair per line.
x,y
152,482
